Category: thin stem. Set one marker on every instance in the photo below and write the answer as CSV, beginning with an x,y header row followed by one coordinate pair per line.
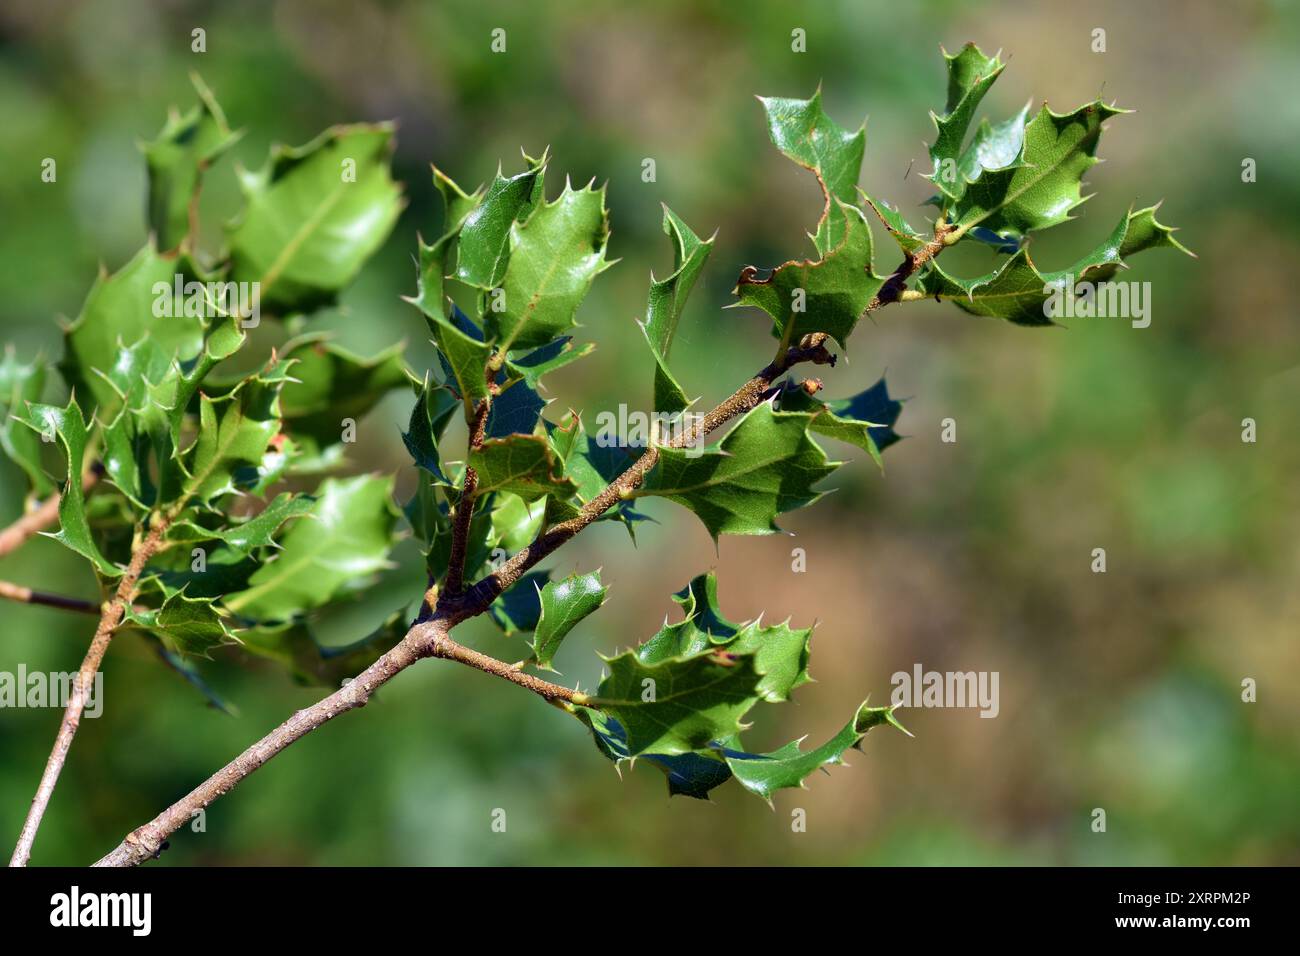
x,y
110,618
25,595
895,287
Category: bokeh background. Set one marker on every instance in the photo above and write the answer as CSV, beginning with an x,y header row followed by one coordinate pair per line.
x,y
1119,690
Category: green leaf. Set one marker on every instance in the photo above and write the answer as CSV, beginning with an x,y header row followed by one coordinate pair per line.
x,y
295,646
331,384
485,232
866,419
346,539
20,384
564,604
825,295
803,132
234,435
970,74
667,301
119,311
993,147
247,537
515,411
789,766
766,465
188,144
192,626
590,465
434,406
554,257
908,239
1019,292
524,465
679,704
314,214
1042,188
68,425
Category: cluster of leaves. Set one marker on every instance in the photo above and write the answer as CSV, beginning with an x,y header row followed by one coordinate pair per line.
x,y
216,457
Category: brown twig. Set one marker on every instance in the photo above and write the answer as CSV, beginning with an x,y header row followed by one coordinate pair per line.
x,y
25,595
110,618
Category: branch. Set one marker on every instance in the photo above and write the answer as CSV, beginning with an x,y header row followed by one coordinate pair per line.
x,y
425,639
38,519
465,507
895,287
110,618
25,595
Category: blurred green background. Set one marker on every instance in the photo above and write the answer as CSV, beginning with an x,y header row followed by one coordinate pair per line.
x,y
1118,690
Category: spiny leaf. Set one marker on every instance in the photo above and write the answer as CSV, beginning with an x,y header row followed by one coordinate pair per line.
x,y
346,539
532,365
249,536
564,604
993,147
434,406
825,295
20,384
68,425
1042,188
1019,292
766,465
554,256
314,214
789,766
865,419
522,464
908,239
188,144
234,434
520,608
666,303
192,626
484,244
515,411
120,311
970,74
803,132
591,465
679,704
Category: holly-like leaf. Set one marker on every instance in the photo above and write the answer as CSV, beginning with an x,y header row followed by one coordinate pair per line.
x,y
121,309
679,704
825,295
803,132
1019,292
591,464
789,766
71,429
331,385
554,256
20,384
188,144
234,434
314,214
666,303
765,466
970,74
345,539
247,537
908,239
993,147
520,608
524,465
515,411
1042,188
564,604
191,626
866,419
485,231
434,406
295,646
